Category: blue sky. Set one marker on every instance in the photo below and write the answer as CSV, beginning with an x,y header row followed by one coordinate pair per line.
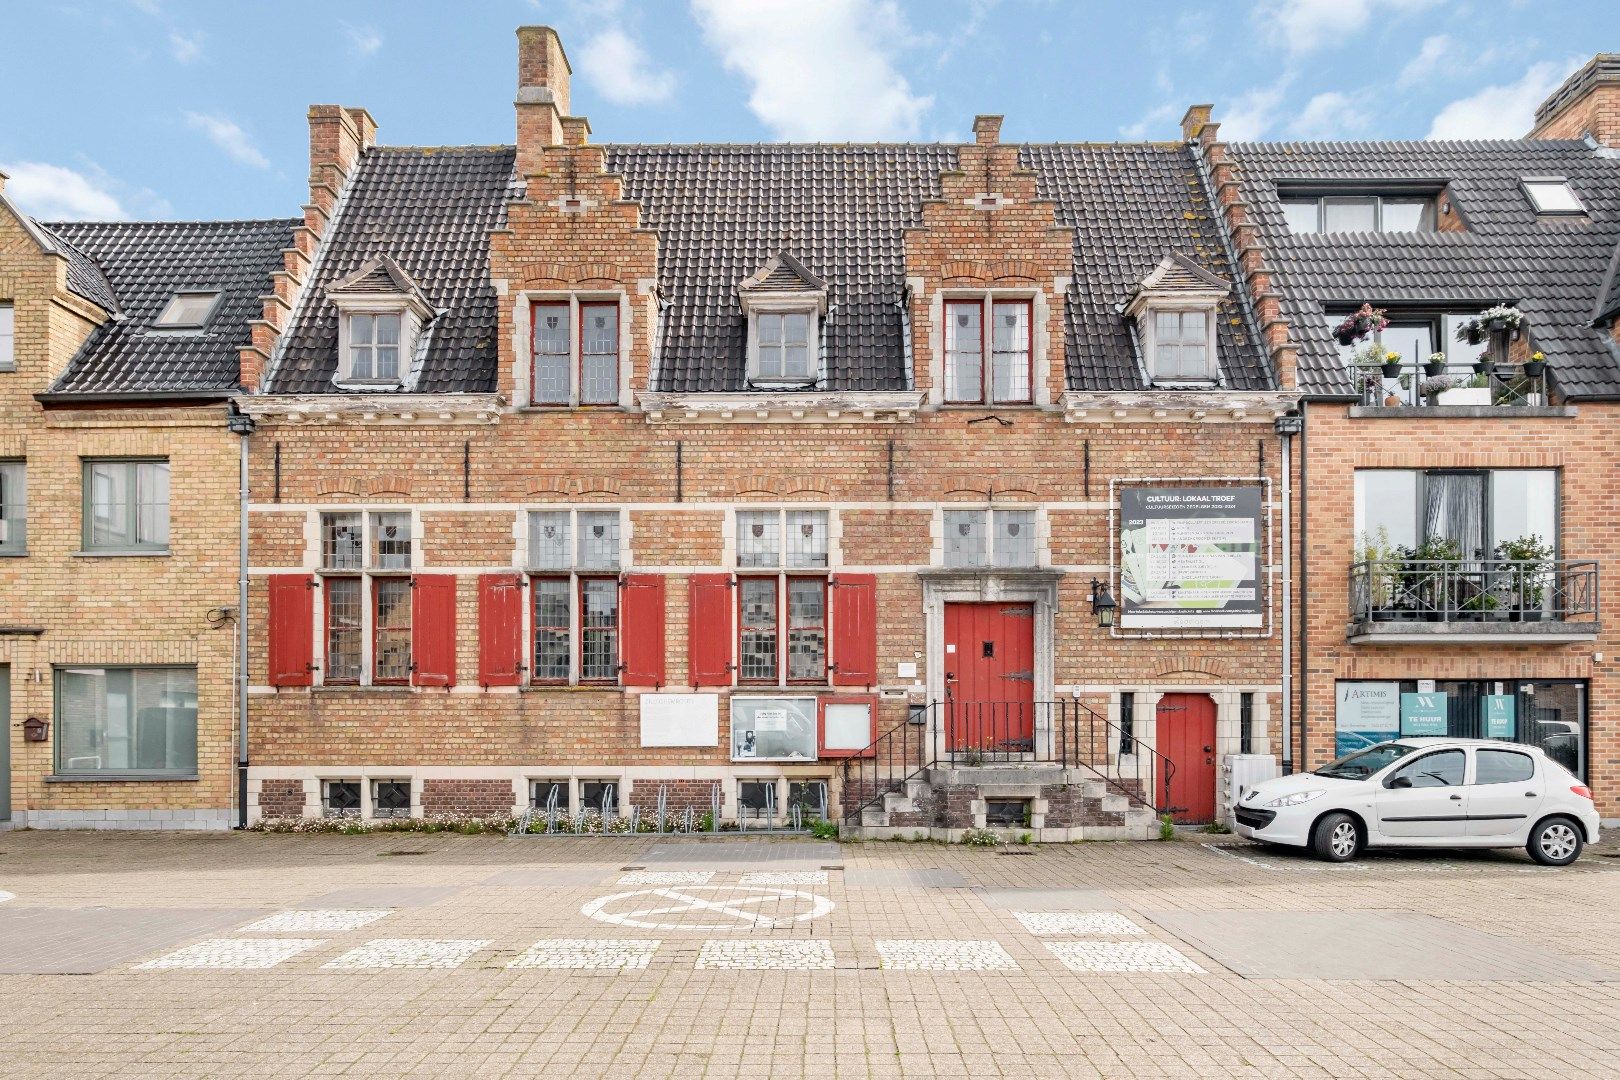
x,y
195,108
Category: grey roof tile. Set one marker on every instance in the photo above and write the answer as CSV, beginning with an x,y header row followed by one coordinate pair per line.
x,y
84,277
431,209
141,265
1554,268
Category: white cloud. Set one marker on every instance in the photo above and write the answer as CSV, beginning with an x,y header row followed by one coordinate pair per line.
x,y
185,47
1507,111
1331,115
1432,57
52,192
363,38
1304,26
229,137
1156,123
1251,114
822,71
620,70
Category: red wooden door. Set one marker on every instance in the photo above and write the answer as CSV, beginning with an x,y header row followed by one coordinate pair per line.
x,y
1186,728
990,677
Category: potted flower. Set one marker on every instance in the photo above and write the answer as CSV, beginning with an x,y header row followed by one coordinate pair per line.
x,y
1536,366
1529,559
1483,364
1432,388
1470,331
1359,324
1391,364
1502,318
1435,365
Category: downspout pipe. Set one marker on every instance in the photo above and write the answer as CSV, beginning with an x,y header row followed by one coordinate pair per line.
x,y
1288,426
241,424
1304,589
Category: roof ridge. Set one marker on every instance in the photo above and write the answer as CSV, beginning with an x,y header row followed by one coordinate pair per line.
x,y
178,221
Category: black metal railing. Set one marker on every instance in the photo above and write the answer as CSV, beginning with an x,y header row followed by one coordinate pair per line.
x,y
1474,590
1503,386
972,733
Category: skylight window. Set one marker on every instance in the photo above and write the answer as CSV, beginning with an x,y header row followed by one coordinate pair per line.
x,y
188,310
1552,195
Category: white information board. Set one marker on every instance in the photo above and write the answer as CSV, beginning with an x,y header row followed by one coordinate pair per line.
x,y
846,726
680,719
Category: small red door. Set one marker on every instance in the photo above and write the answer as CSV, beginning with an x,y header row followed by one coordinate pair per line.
x,y
1186,728
990,677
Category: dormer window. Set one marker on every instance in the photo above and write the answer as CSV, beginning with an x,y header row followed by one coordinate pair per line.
x,y
188,311
382,318
1366,207
1552,195
784,304
1175,310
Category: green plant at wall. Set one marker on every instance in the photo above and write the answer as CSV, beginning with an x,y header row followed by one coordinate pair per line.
x,y
1377,554
1531,559
980,838
1167,827
823,830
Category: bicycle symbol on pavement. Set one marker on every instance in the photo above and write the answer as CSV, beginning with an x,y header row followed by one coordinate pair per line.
x,y
732,907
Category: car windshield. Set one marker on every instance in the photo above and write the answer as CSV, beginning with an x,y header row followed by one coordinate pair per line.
x,y
1363,763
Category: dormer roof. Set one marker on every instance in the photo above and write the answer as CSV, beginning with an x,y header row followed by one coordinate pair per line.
x,y
782,273
380,276
1175,277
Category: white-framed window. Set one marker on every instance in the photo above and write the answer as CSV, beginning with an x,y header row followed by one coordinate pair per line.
x,y
1355,212
1182,345
989,350
365,570
574,351
784,346
13,508
188,310
8,336
1552,195
126,506
782,559
981,538
373,342
573,558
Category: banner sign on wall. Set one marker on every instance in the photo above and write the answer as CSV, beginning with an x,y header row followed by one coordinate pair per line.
x,y
1190,557
1423,714
1500,713
1368,713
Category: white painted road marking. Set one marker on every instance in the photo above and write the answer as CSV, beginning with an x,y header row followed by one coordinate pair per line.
x,y
730,902
1122,956
746,955
234,954
409,953
318,921
1076,922
934,954
588,953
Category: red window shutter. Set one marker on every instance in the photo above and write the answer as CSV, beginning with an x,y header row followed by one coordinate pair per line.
x,y
708,629
641,630
500,630
433,630
292,629
854,630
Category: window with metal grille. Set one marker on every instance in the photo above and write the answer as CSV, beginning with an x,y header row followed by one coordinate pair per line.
x,y
13,508
598,539
391,541
964,537
758,539
978,538
757,620
343,629
548,540
757,799
807,630
553,634
392,638
342,541
1127,723
340,798
391,798
599,795
806,539
1246,723
599,354
964,351
1011,341
126,506
1014,537
810,796
543,792
553,354
599,629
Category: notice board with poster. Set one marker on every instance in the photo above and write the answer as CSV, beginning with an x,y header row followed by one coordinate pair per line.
x,y
1189,558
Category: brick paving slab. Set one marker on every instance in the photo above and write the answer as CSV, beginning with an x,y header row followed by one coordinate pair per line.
x,y
396,896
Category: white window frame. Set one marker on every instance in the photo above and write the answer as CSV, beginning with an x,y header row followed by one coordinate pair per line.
x,y
1378,200
1530,185
13,506
8,336
168,318
782,572
992,548
1148,324
346,346
524,323
795,305
987,302
368,573
574,572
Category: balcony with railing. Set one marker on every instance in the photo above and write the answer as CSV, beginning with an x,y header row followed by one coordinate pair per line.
x,y
1546,601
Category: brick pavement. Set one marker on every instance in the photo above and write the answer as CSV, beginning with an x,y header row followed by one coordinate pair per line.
x,y
1094,959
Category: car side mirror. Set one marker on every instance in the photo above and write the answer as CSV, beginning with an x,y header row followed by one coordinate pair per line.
x,y
1401,782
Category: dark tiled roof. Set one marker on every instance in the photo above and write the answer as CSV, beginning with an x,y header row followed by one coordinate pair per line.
x,y
722,211
1130,205
1553,268
142,265
432,210
84,277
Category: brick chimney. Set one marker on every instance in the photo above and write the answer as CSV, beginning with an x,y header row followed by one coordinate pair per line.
x,y
542,94
987,130
1588,103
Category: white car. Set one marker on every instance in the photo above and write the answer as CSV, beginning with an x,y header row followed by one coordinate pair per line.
x,y
1443,793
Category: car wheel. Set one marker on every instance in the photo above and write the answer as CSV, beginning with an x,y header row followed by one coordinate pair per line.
x,y
1337,838
1555,842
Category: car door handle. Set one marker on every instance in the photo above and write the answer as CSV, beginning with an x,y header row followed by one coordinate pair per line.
x,y
1529,794
1456,798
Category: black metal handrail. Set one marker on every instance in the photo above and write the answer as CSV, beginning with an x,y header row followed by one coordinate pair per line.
x,y
1474,590
972,733
1510,385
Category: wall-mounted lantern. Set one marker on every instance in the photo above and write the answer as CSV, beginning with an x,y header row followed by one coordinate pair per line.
x,y
1102,604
